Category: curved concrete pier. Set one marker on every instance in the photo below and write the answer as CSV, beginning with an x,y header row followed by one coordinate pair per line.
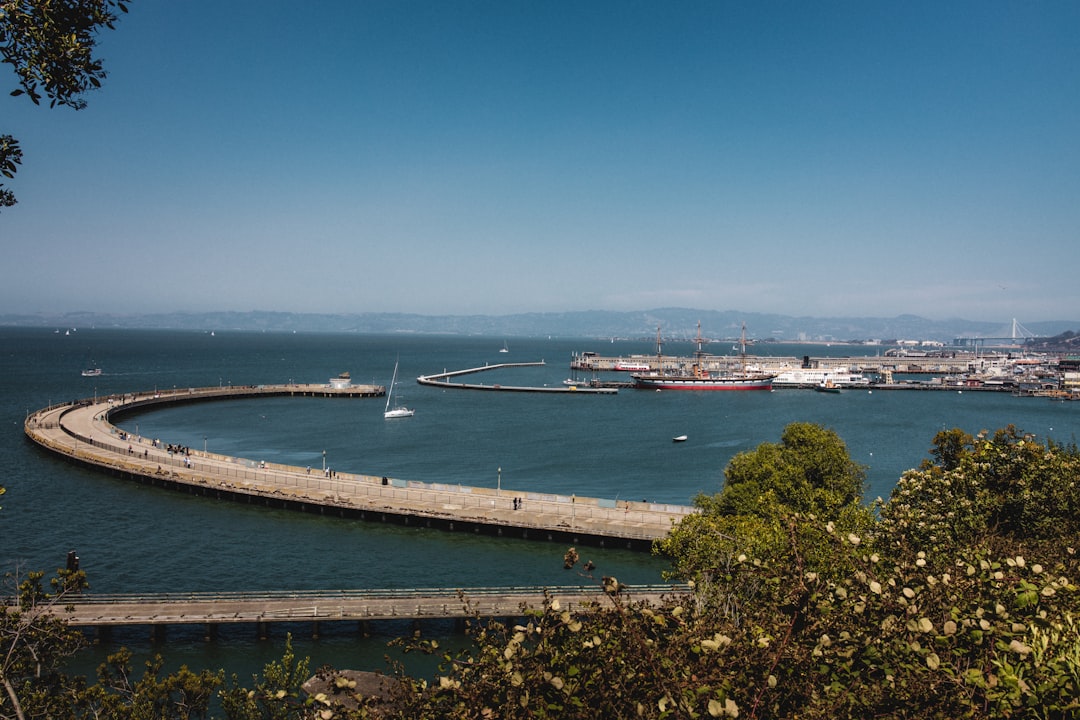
x,y
444,380
81,432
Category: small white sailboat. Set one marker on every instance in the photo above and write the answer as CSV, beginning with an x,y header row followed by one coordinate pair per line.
x,y
504,348
398,411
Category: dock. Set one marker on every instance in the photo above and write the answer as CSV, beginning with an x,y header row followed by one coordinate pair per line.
x,y
961,363
263,609
443,380
81,431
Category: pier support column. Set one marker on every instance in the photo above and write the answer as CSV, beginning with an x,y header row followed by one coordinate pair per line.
x,y
315,630
211,632
157,633
260,630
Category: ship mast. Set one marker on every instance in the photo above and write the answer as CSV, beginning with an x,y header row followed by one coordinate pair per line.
x,y
659,352
699,354
699,340
742,348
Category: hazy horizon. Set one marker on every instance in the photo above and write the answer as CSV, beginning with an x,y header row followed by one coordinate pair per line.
x,y
834,159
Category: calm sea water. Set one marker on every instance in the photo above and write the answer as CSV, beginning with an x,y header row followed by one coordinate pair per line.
x,y
132,538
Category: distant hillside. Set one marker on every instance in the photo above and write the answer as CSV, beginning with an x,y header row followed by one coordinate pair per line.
x,y
675,323
1067,342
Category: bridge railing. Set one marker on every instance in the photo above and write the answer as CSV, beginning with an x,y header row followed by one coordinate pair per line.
x,y
359,594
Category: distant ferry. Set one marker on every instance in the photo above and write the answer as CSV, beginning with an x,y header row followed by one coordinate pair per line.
x,y
632,366
91,372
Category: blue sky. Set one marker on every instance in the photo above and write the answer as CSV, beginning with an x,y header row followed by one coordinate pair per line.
x,y
826,158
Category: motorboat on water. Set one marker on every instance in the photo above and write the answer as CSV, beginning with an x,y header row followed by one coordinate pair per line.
x,y
91,372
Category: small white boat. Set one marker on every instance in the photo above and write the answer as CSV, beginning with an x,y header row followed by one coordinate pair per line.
x,y
679,438
504,348
91,372
399,411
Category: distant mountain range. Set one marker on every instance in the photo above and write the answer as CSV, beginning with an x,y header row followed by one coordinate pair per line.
x,y
674,323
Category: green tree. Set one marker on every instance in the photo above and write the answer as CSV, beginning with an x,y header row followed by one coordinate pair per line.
x,y
35,641
277,696
808,471
119,695
50,45
808,474
1006,489
825,612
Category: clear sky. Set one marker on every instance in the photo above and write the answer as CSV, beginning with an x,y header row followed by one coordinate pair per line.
x,y
804,158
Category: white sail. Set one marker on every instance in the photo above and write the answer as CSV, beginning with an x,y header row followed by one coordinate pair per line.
x,y
400,410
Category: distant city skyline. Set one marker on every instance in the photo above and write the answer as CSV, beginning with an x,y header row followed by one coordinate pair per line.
x,y
839,159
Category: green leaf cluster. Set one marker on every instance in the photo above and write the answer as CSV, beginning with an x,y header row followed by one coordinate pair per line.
x,y
809,471
958,601
1004,488
50,45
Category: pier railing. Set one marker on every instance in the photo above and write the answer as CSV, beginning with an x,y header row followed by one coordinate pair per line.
x,y
262,608
82,430
216,596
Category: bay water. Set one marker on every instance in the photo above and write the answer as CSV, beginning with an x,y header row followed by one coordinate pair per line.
x,y
132,538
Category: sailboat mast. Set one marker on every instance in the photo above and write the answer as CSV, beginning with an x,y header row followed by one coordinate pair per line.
x,y
390,390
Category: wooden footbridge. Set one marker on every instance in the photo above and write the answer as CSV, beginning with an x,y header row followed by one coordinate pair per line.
x,y
297,606
81,432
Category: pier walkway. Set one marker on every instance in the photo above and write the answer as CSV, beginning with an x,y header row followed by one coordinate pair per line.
x,y
81,432
217,608
444,380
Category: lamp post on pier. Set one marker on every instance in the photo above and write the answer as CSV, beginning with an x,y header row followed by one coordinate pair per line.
x,y
324,462
498,486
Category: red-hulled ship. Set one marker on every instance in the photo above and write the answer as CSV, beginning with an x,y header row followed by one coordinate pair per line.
x,y
698,378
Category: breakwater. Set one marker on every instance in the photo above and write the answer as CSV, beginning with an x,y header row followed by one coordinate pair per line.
x,y
445,380
82,432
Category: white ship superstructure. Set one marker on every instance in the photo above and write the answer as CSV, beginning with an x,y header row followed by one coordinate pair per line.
x,y
812,377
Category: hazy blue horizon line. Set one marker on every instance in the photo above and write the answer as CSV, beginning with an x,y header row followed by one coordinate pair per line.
x,y
44,314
